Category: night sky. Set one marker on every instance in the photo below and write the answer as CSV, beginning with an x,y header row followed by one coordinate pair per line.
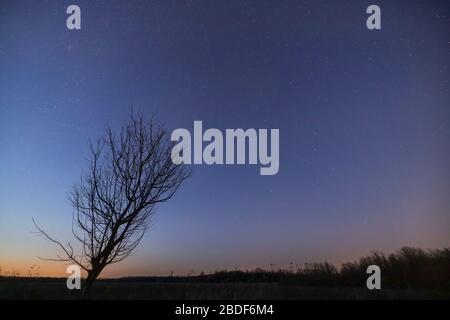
x,y
364,119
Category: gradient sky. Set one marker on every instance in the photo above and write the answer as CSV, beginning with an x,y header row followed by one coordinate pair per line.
x,y
364,119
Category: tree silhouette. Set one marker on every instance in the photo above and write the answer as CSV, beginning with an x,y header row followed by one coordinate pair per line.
x,y
130,172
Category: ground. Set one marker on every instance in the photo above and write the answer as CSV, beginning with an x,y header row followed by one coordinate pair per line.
x,y
56,289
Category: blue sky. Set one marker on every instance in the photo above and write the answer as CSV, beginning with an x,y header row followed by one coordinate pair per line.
x,y
363,118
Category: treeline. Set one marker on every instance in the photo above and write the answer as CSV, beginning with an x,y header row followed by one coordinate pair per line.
x,y
408,268
412,268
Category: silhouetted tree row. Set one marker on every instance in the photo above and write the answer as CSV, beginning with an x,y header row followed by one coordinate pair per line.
x,y
408,268
412,268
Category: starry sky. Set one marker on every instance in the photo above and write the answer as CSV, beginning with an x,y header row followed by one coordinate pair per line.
x,y
364,119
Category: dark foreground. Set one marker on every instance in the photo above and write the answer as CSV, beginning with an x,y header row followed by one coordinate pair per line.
x,y
409,273
24,289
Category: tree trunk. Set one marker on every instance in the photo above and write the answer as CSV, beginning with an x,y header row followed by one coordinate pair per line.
x,y
92,276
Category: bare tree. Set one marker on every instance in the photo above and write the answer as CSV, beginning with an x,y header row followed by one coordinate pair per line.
x,y
130,172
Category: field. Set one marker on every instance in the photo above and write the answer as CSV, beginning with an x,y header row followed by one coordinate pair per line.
x,y
17,289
